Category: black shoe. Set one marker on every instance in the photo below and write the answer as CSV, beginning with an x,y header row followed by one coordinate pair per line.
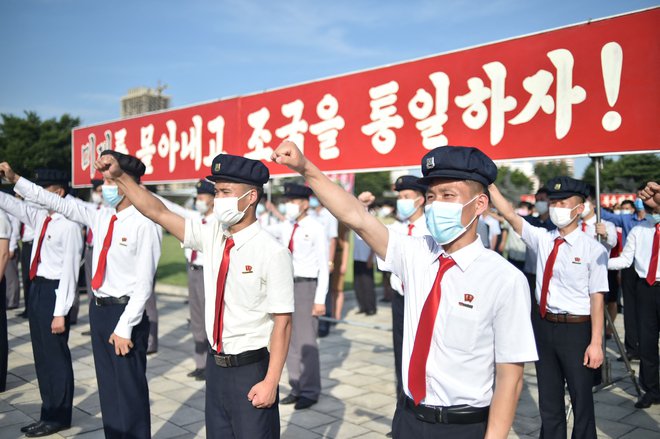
x,y
389,434
201,377
46,430
86,333
360,311
385,300
290,399
31,427
371,313
304,403
646,401
23,315
195,373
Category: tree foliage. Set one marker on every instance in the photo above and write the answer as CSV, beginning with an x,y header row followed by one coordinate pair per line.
x,y
29,143
513,183
626,174
374,182
546,171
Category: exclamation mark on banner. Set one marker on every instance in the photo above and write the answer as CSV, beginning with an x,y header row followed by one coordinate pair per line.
x,y
611,58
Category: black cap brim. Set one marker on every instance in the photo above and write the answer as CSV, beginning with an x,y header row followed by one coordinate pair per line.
x,y
452,175
217,178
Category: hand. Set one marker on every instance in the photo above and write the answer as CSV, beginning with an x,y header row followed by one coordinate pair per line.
x,y
262,395
109,167
57,325
289,155
318,309
122,345
593,356
601,230
331,267
366,198
650,194
8,173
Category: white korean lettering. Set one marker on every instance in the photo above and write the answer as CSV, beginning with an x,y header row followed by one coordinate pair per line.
x,y
260,135
327,130
120,141
147,148
537,86
168,146
431,116
215,126
383,117
567,94
294,131
191,143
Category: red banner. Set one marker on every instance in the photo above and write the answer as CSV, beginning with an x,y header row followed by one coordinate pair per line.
x,y
585,89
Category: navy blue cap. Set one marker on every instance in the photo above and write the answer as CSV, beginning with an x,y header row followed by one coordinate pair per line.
x,y
205,187
563,187
129,164
409,182
292,190
458,163
47,177
238,169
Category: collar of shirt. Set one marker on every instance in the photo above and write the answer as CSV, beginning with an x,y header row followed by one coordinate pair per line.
x,y
571,238
244,235
130,210
591,221
465,256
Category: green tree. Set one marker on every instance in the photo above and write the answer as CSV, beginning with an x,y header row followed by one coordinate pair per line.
x,y
513,183
29,143
546,171
374,182
626,174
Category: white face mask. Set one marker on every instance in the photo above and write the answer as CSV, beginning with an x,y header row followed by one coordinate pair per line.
x,y
201,206
226,210
562,216
542,207
97,198
291,211
587,209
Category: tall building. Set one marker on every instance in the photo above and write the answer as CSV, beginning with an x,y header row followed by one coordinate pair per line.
x,y
141,100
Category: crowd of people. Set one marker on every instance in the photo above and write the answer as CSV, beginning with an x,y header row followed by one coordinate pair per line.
x,y
477,288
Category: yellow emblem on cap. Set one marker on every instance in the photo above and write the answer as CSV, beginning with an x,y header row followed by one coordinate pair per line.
x,y
558,186
217,167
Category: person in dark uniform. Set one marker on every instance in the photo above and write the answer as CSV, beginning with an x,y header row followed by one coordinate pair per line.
x,y
568,322
248,282
126,253
462,372
54,268
642,251
5,236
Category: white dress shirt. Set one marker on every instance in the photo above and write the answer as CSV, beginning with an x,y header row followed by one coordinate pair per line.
x,y
610,228
259,283
194,215
131,259
419,229
5,226
310,252
483,317
328,221
15,232
61,248
638,249
580,268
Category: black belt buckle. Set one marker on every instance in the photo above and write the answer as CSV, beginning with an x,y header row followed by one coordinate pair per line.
x,y
224,360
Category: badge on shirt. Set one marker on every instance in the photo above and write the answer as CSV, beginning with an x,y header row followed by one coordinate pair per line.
x,y
577,261
467,301
248,269
124,241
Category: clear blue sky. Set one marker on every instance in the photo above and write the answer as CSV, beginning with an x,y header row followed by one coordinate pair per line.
x,y
80,56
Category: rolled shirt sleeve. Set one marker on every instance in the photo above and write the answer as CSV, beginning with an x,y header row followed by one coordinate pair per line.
x,y
279,282
627,256
66,289
321,246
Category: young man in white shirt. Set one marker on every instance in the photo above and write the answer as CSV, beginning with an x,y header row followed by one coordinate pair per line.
x,y
126,253
568,323
642,250
248,282
462,372
54,268
5,236
307,241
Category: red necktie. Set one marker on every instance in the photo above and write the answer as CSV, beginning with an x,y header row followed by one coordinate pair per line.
x,y
90,236
37,254
295,227
410,227
547,275
22,230
653,264
584,226
97,281
220,295
193,255
420,352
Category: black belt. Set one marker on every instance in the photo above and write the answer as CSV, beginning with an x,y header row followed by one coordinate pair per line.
x,y
304,279
106,301
43,280
196,267
456,414
242,359
564,317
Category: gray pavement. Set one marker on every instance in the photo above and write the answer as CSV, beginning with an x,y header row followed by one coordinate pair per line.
x,y
357,375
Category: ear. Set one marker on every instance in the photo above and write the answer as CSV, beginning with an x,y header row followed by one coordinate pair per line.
x,y
481,204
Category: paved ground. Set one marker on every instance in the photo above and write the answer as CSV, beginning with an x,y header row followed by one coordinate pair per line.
x,y
358,385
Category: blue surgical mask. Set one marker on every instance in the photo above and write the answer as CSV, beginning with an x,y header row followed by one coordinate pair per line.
x,y
405,208
639,204
111,195
444,220
655,218
314,202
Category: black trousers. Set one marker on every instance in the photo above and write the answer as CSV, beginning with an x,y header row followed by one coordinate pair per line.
x,y
406,425
52,358
4,341
648,313
229,414
397,338
630,320
26,252
561,348
122,380
363,282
